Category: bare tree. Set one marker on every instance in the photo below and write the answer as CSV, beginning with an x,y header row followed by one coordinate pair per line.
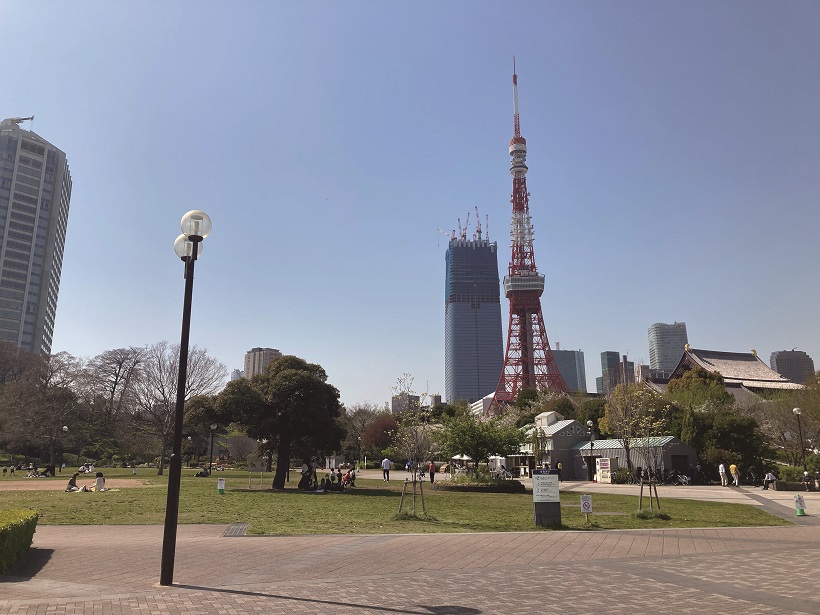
x,y
240,447
155,388
110,377
357,418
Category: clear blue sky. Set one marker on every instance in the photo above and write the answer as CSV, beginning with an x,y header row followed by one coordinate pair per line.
x,y
674,154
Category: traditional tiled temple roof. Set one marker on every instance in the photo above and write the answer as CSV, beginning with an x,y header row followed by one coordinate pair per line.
x,y
737,368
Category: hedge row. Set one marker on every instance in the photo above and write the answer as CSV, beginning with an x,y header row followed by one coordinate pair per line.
x,y
16,534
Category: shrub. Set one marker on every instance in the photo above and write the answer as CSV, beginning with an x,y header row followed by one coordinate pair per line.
x,y
16,533
651,514
471,483
620,476
790,474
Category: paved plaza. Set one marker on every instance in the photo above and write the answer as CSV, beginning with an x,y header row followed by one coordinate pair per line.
x,y
115,570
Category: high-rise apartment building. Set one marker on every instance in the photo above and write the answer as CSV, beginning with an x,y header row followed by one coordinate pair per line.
x,y
571,365
473,346
257,359
795,365
35,191
666,343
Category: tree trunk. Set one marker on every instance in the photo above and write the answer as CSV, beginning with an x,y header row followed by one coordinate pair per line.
x,y
282,462
161,465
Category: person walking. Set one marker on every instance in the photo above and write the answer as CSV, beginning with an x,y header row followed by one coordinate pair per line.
x,y
722,471
806,480
432,470
386,463
735,474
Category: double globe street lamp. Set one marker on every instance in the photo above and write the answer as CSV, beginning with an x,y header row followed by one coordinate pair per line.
x,y
196,226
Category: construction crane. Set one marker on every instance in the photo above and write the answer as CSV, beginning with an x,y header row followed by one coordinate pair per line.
x,y
19,120
477,223
451,235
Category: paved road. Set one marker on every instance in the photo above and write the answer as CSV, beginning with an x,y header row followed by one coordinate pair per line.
x,y
114,570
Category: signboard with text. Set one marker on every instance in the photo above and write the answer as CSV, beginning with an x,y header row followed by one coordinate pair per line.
x,y
545,486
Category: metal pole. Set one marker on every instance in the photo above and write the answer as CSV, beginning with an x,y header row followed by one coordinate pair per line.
x,y
802,448
169,538
211,459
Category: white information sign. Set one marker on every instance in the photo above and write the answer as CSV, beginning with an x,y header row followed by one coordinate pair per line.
x,y
545,487
586,504
255,463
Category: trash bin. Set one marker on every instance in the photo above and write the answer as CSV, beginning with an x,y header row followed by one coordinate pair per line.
x,y
220,486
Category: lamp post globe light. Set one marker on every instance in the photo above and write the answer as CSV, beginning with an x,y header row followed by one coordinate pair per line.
x,y
195,226
591,453
797,413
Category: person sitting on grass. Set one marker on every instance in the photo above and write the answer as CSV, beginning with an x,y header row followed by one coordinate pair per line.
x,y
72,484
99,482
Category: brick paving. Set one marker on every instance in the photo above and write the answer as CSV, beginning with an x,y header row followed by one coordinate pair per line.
x,y
113,570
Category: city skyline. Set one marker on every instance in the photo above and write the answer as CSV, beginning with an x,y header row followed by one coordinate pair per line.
x,y
329,143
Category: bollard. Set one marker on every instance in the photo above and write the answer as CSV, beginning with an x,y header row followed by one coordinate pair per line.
x,y
800,506
220,486
134,470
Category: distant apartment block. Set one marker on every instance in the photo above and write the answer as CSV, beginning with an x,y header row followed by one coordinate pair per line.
x,y
237,375
795,365
666,344
257,359
571,365
35,191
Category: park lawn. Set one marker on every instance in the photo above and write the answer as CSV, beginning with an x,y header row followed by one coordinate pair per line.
x,y
368,509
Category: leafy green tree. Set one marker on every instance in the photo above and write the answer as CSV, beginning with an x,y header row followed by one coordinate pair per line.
x,y
592,409
698,387
478,439
725,436
291,405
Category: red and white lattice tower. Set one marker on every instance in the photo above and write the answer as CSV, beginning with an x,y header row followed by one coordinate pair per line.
x,y
528,362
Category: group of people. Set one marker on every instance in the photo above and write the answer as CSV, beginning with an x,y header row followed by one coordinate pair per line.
x,y
99,483
770,477
410,466
334,481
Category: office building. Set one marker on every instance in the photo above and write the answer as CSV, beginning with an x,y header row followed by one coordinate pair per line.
x,y
614,371
795,365
571,365
404,402
473,346
35,191
666,344
257,359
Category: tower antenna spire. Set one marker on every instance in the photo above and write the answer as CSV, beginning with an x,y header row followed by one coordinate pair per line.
x,y
517,132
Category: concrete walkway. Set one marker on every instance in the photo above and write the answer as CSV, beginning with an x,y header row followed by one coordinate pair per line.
x,y
115,569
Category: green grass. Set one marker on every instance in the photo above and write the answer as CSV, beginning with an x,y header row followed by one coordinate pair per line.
x,y
371,508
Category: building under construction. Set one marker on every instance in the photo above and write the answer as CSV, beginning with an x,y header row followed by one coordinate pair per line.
x,y
473,343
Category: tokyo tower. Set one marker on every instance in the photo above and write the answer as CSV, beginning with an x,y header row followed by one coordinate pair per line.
x,y
528,362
